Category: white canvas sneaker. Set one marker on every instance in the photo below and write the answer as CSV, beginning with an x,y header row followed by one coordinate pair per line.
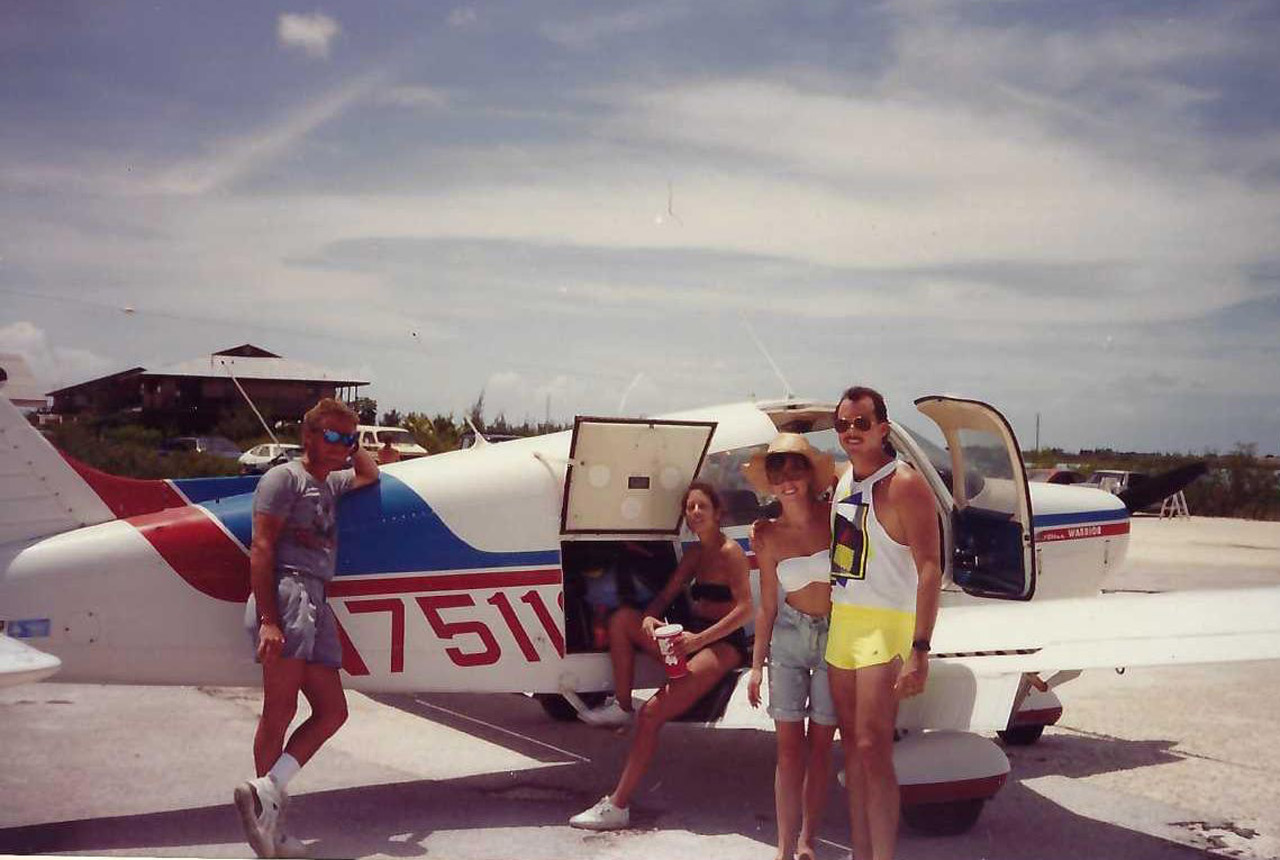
x,y
259,802
286,845
603,816
608,714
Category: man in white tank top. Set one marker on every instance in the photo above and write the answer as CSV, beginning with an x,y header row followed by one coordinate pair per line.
x,y
885,580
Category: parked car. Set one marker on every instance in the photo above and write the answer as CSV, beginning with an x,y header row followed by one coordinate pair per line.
x,y
214,446
372,438
259,458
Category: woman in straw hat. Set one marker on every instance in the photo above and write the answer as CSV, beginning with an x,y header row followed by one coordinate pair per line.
x,y
793,552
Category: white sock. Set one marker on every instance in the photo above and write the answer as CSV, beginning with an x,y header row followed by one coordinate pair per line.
x,y
285,769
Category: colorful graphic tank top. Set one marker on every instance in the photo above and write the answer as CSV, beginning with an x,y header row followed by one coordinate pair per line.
x,y
868,568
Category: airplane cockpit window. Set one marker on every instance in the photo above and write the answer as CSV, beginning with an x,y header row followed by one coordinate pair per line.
x,y
723,470
986,457
941,460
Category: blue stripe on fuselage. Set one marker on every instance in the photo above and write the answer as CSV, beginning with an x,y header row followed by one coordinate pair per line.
x,y
1079,517
201,490
387,528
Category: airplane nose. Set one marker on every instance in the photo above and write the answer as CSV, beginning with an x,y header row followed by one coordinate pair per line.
x,y
110,599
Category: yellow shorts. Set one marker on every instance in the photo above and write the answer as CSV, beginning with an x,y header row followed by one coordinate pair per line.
x,y
862,636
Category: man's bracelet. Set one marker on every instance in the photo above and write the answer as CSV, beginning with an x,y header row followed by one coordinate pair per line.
x,y
920,645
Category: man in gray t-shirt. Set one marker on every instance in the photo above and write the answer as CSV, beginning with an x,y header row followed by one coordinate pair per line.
x,y
295,636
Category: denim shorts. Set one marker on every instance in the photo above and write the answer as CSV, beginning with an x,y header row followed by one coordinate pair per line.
x,y
310,630
798,685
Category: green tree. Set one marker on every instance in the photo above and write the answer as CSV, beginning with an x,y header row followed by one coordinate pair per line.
x,y
366,409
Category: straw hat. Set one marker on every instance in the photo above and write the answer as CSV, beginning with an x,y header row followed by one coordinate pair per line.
x,y
822,463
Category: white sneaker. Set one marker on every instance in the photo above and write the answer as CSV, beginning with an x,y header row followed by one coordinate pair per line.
x,y
608,714
286,845
259,802
603,816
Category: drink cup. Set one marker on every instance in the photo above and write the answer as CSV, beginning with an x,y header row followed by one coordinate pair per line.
x,y
671,661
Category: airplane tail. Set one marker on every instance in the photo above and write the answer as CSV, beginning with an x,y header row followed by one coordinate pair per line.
x,y
45,492
1159,487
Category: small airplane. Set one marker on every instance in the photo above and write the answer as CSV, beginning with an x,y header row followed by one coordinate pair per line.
x,y
476,570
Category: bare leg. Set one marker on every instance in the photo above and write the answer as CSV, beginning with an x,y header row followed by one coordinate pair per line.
x,y
706,668
323,688
844,692
281,680
877,711
816,777
788,784
626,636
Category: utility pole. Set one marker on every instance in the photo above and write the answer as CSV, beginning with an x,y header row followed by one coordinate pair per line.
x,y
1037,432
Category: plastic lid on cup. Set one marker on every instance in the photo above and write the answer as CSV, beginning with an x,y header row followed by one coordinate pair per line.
x,y
669,630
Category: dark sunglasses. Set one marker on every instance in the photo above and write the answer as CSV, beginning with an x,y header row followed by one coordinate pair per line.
x,y
860,422
333,437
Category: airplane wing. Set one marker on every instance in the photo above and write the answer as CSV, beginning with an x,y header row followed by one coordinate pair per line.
x,y
1112,630
20,663
980,652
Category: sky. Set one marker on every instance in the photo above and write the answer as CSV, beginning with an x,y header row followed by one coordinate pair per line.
x,y
1070,211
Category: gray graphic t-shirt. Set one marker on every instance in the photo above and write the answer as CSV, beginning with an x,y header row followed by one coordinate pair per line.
x,y
308,541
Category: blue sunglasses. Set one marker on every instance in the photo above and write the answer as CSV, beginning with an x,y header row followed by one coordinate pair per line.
x,y
333,437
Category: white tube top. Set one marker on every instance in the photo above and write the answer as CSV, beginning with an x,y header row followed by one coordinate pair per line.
x,y
800,570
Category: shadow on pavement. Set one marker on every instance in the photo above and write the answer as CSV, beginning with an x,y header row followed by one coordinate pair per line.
x,y
706,782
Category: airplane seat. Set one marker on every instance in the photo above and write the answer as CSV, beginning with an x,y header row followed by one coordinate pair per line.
x,y
609,574
988,552
741,507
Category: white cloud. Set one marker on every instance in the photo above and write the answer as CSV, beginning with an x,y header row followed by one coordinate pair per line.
x,y
586,32
312,34
236,156
414,97
462,16
52,366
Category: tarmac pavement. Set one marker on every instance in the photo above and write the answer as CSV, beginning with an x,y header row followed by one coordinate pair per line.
x,y
1153,764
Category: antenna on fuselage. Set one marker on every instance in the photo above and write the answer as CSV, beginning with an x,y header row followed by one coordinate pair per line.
x,y
786,386
623,402
248,400
480,440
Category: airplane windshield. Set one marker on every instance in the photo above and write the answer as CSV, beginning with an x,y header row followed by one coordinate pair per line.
x,y
723,470
941,461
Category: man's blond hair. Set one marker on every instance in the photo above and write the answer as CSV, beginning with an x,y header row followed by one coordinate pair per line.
x,y
327,406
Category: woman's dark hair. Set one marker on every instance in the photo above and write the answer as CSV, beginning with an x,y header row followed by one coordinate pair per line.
x,y
858,392
707,490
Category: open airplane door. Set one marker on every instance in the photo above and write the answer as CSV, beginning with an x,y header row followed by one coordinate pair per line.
x,y
628,476
994,551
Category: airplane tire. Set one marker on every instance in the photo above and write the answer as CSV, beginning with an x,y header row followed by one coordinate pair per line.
x,y
943,819
558,708
1021,736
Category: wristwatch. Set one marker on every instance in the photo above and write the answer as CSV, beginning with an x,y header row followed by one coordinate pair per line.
x,y
920,645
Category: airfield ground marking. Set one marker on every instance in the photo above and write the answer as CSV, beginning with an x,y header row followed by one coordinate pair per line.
x,y
501,729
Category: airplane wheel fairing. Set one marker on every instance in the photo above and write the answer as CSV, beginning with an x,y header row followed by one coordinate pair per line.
x,y
1021,736
558,707
943,819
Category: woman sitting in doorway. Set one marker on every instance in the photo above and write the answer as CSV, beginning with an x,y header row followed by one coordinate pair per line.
x,y
713,644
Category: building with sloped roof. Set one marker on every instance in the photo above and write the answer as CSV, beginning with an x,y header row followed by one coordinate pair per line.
x,y
198,391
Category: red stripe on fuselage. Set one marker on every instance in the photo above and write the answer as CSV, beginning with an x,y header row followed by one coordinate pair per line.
x,y
127,497
1083,531
205,556
343,587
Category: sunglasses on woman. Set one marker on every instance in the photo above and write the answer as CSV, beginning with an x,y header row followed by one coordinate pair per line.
x,y
860,422
333,437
